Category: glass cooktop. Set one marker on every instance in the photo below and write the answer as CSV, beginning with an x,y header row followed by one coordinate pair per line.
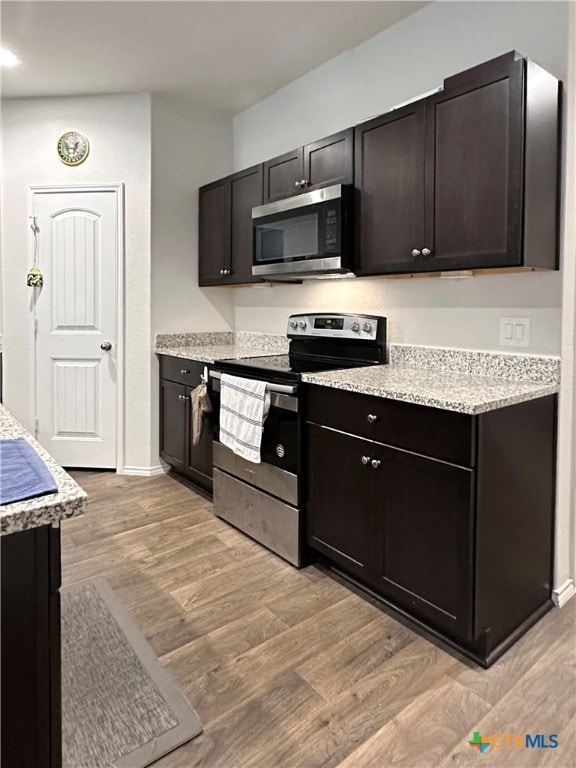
x,y
280,367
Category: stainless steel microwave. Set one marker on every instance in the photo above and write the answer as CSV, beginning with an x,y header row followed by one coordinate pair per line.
x,y
308,235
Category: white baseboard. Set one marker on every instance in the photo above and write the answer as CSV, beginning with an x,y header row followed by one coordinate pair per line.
x,y
143,471
563,593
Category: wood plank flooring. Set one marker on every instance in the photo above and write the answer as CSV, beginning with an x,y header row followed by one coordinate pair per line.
x,y
290,668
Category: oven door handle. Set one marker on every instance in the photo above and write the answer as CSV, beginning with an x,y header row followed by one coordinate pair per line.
x,y
282,389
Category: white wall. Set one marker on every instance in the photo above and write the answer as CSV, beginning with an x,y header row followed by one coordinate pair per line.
x,y
408,59
190,147
118,128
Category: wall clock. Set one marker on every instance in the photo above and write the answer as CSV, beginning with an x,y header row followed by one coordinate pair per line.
x,y
73,148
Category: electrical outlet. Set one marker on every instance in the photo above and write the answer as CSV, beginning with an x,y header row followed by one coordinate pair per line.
x,y
514,331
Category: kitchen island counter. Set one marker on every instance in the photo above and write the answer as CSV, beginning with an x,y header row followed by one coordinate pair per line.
x,y
70,500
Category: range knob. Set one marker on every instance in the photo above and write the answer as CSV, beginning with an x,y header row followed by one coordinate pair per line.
x,y
293,324
355,327
367,327
302,324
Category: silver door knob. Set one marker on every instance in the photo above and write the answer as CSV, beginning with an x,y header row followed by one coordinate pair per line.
x,y
365,460
106,346
426,251
375,463
416,252
371,418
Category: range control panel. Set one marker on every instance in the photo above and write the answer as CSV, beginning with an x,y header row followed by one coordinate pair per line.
x,y
336,325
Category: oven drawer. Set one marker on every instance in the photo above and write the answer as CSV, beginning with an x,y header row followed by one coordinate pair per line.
x,y
264,476
269,521
441,434
180,370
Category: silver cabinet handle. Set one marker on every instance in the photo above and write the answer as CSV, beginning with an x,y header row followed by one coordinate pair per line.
x,y
296,184
182,397
371,418
304,183
426,251
106,346
375,463
184,371
416,252
365,460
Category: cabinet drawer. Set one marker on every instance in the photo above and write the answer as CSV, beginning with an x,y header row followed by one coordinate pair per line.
x,y
429,431
180,370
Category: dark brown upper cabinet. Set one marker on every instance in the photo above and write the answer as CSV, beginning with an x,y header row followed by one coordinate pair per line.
x,y
320,164
225,237
466,179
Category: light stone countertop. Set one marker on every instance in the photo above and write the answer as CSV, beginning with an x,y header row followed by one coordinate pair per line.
x,y
210,354
461,392
70,500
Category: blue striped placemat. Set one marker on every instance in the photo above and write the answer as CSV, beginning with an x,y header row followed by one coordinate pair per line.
x,y
23,474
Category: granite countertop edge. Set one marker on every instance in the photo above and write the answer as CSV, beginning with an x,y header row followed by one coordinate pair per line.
x,y
70,501
211,354
475,403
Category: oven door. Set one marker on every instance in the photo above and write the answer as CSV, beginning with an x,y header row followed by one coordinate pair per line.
x,y
281,434
303,234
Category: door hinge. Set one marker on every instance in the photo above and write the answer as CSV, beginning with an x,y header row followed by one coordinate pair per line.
x,y
35,326
35,427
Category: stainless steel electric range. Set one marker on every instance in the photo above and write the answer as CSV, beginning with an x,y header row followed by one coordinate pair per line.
x,y
266,500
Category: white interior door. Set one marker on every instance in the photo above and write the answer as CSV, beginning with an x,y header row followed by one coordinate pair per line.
x,y
76,324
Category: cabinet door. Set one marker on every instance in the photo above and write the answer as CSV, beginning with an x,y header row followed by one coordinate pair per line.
x,y
173,421
199,457
474,169
214,232
389,173
424,532
245,194
330,160
339,512
283,174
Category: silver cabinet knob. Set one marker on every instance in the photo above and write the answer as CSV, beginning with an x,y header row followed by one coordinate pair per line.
x,y
182,397
226,271
375,463
297,184
365,460
371,418
304,183
184,371
106,346
221,271
416,252
426,251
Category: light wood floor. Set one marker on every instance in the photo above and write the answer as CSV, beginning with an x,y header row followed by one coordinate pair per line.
x,y
290,668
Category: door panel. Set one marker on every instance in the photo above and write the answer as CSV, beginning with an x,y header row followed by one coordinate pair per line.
x,y
76,312
330,160
340,521
173,421
390,176
214,232
474,149
425,537
246,193
281,175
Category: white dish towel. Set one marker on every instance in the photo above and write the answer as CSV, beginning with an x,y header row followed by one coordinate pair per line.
x,y
244,405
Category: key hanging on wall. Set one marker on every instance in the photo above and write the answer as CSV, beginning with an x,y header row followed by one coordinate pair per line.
x,y
35,278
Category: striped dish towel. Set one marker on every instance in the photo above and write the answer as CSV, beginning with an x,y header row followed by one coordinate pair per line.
x,y
244,405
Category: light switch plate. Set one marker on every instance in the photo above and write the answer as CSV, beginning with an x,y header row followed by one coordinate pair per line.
x,y
514,332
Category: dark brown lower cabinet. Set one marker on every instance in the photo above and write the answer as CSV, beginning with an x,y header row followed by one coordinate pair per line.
x,y
178,377
31,708
464,550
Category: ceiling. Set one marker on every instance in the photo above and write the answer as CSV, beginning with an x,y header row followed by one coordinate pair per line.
x,y
225,54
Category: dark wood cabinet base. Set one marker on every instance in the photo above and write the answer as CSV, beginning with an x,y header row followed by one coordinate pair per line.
x,y
30,639
206,493
476,651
